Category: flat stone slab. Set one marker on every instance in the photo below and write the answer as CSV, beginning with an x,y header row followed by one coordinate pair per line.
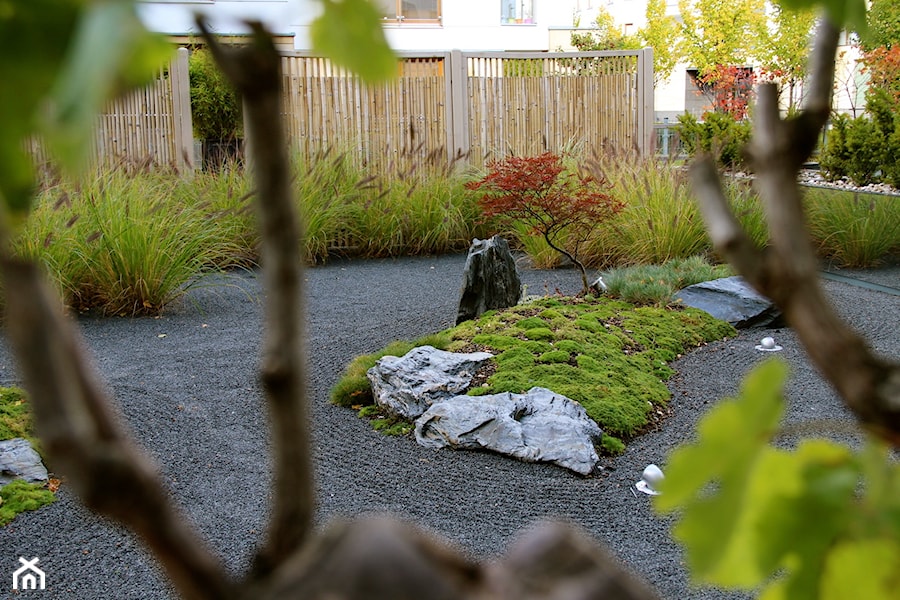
x,y
732,299
18,460
408,385
537,426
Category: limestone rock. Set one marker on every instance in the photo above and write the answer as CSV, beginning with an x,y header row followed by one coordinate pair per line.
x,y
490,279
408,385
538,426
732,299
18,460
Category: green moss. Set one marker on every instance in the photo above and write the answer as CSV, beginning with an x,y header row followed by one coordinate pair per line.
x,y
611,445
532,323
15,422
554,356
570,346
540,333
20,496
353,388
15,414
392,426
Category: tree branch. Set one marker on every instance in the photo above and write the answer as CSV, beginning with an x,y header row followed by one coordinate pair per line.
x,y
85,439
787,271
255,71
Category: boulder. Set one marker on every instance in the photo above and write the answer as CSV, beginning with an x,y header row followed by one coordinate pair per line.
x,y
537,426
490,279
732,299
18,460
408,385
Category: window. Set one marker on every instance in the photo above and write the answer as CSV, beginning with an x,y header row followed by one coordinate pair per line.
x,y
517,11
416,11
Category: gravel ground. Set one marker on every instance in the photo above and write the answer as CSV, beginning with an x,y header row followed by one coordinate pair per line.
x,y
187,387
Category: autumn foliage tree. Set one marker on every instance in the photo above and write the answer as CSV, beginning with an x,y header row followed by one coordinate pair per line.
x,y
561,205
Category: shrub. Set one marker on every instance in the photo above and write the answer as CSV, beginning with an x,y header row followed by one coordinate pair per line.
x,y
562,205
864,149
215,107
718,134
120,243
834,160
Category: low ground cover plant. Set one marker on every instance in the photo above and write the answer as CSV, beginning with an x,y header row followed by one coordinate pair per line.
x,y
15,422
655,284
609,355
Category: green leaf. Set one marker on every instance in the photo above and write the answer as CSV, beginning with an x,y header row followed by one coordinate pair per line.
x,y
34,36
721,479
111,52
349,32
729,437
844,13
862,569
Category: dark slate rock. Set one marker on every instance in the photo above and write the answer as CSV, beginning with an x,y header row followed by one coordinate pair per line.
x,y
18,460
490,279
408,385
732,299
537,426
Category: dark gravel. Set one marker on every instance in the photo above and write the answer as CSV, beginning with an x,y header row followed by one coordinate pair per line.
x,y
188,389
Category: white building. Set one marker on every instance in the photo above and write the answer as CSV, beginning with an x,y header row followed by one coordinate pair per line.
x,y
410,24
679,93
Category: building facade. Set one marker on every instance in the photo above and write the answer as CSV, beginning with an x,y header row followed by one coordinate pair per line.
x,y
414,25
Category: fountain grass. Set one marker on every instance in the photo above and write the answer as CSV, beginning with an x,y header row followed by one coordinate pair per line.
x,y
853,229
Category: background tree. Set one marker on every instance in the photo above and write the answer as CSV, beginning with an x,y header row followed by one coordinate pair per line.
x,y
884,25
661,33
605,35
720,38
784,50
721,32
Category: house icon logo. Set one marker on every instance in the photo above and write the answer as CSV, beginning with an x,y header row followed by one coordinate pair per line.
x,y
28,576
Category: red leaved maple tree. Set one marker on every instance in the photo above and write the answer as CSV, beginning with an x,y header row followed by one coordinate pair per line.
x,y
563,206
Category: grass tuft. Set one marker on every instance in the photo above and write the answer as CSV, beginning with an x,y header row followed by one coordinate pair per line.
x,y
655,284
854,230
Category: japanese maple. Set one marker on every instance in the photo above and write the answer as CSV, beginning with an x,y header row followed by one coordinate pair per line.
x,y
561,205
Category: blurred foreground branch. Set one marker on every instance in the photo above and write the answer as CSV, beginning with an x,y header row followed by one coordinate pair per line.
x,y
787,270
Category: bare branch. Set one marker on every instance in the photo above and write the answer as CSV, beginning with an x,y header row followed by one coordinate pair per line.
x,y
787,272
255,71
85,438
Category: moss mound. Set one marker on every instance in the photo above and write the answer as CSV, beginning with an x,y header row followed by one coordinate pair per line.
x,y
610,356
15,421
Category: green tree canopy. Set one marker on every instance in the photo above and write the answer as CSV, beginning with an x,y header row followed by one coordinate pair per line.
x,y
884,25
721,32
606,35
661,33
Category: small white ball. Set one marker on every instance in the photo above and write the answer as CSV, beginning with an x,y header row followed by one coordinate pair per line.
x,y
767,343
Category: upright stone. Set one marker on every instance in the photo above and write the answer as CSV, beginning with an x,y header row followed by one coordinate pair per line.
x,y
490,280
